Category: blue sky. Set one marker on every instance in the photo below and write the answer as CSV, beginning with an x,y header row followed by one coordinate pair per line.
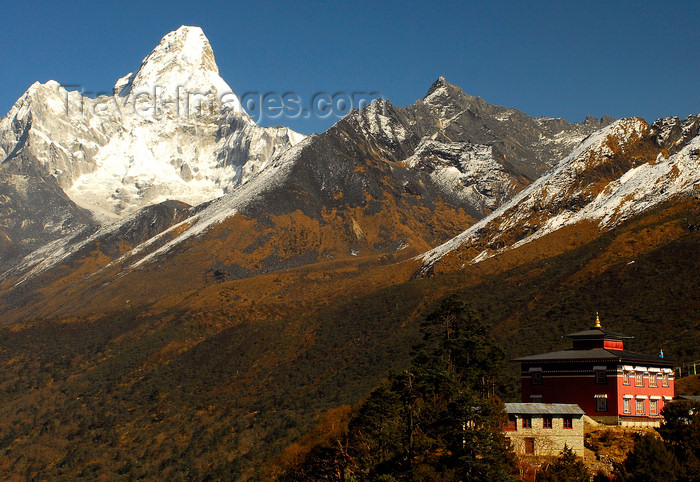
x,y
617,58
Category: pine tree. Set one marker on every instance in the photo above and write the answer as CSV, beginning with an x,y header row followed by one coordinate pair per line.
x,y
649,461
378,430
681,431
436,420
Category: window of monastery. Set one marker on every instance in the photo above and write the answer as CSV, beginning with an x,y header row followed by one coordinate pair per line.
x,y
653,379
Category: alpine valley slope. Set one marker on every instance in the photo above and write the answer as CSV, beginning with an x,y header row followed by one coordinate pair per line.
x,y
203,341
221,382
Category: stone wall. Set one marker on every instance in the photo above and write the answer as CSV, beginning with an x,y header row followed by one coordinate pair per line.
x,y
547,441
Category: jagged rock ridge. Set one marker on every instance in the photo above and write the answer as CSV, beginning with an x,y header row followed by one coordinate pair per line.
x,y
382,180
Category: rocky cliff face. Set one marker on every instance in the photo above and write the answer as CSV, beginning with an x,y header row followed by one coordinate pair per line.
x,y
477,153
34,209
526,145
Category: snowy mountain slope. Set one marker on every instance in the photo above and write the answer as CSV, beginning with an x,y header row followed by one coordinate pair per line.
x,y
111,241
615,174
184,223
478,153
470,171
174,131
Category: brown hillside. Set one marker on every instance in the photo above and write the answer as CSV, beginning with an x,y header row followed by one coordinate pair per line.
x,y
220,379
688,385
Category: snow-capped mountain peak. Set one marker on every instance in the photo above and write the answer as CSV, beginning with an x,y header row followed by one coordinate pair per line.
x,y
182,65
174,130
441,92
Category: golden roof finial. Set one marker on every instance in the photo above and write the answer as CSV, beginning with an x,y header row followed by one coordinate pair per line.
x,y
597,321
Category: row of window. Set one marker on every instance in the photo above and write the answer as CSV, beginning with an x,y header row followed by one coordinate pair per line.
x,y
639,379
640,406
547,422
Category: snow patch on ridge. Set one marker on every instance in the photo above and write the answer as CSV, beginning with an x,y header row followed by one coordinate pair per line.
x,y
637,190
373,119
466,170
